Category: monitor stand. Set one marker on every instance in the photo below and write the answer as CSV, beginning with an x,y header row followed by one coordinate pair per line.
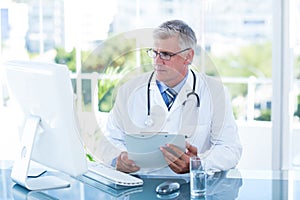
x,y
21,171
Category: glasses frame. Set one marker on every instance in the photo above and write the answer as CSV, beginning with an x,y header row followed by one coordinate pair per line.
x,y
162,55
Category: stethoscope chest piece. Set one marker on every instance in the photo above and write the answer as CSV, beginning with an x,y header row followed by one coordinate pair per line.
x,y
156,119
149,121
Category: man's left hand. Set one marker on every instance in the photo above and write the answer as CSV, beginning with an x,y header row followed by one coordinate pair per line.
x,y
178,160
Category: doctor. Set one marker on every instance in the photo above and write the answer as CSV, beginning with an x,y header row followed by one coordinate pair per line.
x,y
175,99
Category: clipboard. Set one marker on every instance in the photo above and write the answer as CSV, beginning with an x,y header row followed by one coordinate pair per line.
x,y
144,148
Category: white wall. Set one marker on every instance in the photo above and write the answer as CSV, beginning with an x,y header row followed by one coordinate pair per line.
x,y
256,138
257,143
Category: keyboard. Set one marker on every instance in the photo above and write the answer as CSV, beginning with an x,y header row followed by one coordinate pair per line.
x,y
111,175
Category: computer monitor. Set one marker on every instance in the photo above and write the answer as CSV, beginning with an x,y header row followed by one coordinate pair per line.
x,y
50,134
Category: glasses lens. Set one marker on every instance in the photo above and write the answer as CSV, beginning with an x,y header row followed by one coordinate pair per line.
x,y
164,55
151,53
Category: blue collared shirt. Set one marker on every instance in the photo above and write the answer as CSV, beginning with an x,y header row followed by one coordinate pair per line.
x,y
162,87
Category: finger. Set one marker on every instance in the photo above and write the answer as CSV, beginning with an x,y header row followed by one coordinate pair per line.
x,y
176,164
187,144
176,168
191,150
126,165
126,160
121,165
175,150
171,158
129,165
127,168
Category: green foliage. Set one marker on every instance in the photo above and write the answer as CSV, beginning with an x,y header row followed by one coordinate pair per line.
x,y
257,59
297,68
114,58
90,157
236,89
116,76
265,115
251,60
114,52
66,58
297,112
105,91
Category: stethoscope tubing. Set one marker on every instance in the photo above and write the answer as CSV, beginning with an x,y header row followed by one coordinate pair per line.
x,y
148,94
191,93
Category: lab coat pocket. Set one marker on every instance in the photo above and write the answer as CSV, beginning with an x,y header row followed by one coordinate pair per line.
x,y
200,138
198,135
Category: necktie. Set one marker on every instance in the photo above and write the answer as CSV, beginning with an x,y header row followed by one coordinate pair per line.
x,y
170,97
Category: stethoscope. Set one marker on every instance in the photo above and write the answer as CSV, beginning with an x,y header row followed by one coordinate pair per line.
x,y
149,121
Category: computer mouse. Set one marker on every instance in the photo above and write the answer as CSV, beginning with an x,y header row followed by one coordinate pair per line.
x,y
167,187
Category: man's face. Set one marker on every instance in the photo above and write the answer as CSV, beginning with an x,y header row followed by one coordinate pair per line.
x,y
172,71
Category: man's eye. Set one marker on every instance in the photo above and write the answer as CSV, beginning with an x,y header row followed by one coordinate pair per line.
x,y
164,54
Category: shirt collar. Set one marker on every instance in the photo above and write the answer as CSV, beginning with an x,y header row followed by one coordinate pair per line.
x,y
162,87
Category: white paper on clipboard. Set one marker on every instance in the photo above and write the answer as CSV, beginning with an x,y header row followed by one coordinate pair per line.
x,y
144,148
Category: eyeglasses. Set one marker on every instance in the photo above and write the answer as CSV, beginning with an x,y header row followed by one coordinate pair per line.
x,y
163,55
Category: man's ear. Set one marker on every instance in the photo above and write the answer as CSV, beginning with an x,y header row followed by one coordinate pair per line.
x,y
189,57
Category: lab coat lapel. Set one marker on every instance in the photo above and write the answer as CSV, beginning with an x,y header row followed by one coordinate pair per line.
x,y
155,96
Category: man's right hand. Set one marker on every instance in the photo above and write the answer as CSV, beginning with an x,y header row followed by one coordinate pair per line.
x,y
125,165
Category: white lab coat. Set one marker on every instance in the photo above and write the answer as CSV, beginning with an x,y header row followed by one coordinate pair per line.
x,y
211,127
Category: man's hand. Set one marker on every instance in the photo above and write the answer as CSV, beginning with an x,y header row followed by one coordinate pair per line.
x,y
125,165
178,160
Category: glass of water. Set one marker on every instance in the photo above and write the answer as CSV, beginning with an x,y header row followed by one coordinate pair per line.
x,y
197,177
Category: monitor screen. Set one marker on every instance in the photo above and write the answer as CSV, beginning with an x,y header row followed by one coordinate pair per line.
x,y
43,91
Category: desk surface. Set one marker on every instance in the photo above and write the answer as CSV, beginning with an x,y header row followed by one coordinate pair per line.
x,y
234,184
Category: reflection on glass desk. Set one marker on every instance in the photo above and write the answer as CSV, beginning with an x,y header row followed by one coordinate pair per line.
x,y
233,184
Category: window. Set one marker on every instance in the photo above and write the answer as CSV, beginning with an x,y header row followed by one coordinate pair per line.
x,y
238,38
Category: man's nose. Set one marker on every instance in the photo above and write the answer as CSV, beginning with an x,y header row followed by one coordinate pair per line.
x,y
158,60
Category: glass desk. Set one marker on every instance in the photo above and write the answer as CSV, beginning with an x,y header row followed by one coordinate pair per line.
x,y
233,184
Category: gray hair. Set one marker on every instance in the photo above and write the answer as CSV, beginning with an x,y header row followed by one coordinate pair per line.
x,y
187,37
